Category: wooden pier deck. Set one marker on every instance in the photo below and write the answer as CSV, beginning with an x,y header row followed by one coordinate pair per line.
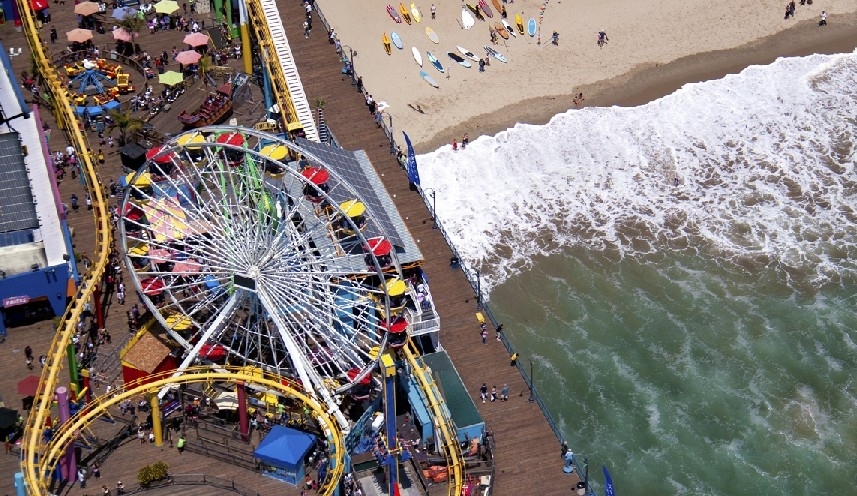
x,y
527,452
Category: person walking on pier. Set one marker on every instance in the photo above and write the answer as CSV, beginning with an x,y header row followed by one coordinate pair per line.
x,y
483,392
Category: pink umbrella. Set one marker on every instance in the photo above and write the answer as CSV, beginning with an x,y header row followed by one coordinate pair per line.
x,y
121,35
188,57
196,39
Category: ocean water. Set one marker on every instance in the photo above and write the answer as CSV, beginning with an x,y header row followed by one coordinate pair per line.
x,y
682,275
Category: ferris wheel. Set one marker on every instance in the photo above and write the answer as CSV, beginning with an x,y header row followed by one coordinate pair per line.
x,y
247,257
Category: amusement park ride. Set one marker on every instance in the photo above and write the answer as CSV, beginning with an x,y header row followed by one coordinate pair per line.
x,y
258,259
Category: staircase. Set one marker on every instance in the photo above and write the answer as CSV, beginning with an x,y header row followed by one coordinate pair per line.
x,y
272,36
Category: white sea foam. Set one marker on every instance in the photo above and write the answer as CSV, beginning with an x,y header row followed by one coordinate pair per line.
x,y
765,162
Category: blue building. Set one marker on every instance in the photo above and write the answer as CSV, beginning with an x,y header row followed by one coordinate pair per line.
x,y
37,269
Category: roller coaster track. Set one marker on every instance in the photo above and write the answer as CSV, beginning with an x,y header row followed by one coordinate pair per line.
x,y
276,55
444,425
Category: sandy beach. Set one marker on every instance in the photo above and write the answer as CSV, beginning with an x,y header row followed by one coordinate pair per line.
x,y
650,53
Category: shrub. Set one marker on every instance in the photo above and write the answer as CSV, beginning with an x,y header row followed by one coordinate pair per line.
x,y
151,473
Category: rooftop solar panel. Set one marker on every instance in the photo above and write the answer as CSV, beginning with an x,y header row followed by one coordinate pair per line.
x,y
17,211
356,169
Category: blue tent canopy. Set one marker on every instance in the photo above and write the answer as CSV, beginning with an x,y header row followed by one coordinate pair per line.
x,y
284,447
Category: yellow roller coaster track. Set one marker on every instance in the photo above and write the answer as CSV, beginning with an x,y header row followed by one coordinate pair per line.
x,y
443,422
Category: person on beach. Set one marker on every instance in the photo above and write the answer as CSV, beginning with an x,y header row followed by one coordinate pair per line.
x,y
481,65
433,11
454,145
823,21
465,141
602,38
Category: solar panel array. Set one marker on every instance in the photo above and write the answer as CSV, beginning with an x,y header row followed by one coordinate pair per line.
x,y
361,176
17,210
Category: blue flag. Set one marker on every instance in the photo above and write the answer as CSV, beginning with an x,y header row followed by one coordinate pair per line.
x,y
608,483
413,173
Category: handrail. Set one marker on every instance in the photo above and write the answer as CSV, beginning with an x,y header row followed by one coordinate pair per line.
x,y
444,424
66,120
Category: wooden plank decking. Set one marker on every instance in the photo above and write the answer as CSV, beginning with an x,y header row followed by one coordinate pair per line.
x,y
527,452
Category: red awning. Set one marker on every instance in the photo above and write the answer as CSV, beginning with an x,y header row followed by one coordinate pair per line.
x,y
212,351
234,139
397,326
163,159
379,246
152,286
316,175
355,372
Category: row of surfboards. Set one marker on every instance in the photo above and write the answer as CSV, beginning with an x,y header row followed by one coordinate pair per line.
x,y
407,14
503,27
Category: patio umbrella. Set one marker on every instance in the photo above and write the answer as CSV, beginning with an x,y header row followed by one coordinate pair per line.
x,y
28,385
170,78
122,35
196,39
188,57
123,12
79,35
86,8
166,7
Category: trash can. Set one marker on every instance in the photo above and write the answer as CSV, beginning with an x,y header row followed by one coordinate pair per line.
x,y
114,55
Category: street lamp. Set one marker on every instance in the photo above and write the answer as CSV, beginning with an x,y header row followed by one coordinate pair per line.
x,y
532,397
392,138
478,290
431,193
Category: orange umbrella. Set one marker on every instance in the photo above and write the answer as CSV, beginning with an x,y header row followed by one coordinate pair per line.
x,y
79,35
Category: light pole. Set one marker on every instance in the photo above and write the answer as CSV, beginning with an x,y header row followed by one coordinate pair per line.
x,y
431,193
392,138
478,290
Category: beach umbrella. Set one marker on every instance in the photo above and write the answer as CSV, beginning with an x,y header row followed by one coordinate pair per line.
x,y
86,8
79,35
166,7
121,35
170,78
123,12
196,39
28,385
188,57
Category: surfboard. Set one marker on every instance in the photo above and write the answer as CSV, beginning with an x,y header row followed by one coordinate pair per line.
x,y
393,14
397,40
467,20
430,80
432,35
501,30
435,62
509,28
386,41
417,56
519,21
405,14
467,53
476,12
497,5
485,8
456,57
415,12
531,27
494,53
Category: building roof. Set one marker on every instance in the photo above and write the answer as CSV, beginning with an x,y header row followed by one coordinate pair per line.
x,y
148,352
30,217
356,169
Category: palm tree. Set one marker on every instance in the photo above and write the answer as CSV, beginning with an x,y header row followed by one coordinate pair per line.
x,y
322,127
133,24
126,123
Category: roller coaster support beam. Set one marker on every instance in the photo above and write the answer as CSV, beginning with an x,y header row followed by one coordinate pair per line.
x,y
99,308
246,47
157,428
69,461
73,372
388,366
243,421
84,378
218,11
